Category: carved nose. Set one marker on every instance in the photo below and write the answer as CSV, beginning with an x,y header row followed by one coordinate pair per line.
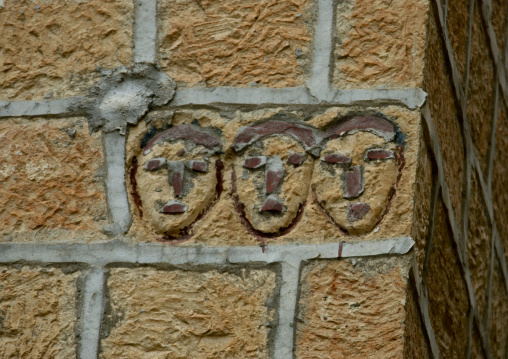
x,y
274,174
176,173
353,182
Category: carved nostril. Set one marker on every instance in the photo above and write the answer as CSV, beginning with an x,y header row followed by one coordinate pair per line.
x,y
275,173
176,173
353,182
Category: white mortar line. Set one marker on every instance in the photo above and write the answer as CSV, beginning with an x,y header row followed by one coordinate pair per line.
x,y
145,31
100,254
410,97
319,83
116,191
38,107
93,305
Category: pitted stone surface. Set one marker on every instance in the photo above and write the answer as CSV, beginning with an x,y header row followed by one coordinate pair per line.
x,y
236,43
480,95
352,308
51,180
444,111
415,344
448,299
457,22
51,49
184,314
498,332
379,43
37,313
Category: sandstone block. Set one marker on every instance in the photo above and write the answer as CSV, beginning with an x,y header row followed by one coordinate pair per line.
x,y
51,49
257,182
50,185
479,246
37,313
352,308
379,43
415,344
184,314
498,333
236,43
441,100
456,21
448,299
500,176
498,15
480,95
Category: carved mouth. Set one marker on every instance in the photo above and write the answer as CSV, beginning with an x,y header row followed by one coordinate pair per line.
x,y
356,211
174,207
272,204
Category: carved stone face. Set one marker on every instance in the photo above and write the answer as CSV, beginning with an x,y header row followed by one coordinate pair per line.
x,y
355,178
272,173
177,178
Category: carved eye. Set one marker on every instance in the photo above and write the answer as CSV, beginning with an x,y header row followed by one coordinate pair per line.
x,y
254,162
155,164
296,159
379,154
337,158
197,166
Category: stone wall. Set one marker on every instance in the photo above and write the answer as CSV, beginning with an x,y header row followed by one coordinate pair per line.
x,y
253,179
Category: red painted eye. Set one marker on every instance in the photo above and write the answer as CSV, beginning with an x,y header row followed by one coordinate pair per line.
x,y
254,162
380,154
296,159
198,166
337,158
155,164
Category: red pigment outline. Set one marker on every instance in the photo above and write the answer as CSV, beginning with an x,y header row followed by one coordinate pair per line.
x,y
187,233
260,236
399,157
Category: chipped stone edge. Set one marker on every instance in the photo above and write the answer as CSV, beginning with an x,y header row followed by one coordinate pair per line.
x,y
145,31
93,308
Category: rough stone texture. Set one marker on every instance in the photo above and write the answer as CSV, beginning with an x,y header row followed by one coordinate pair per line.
x,y
415,344
352,310
441,100
498,16
480,95
457,22
50,187
235,42
498,331
500,175
448,300
184,314
479,246
379,43
222,225
476,344
51,48
425,177
37,313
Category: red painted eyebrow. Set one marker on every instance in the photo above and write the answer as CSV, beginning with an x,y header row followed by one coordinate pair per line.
x,y
378,125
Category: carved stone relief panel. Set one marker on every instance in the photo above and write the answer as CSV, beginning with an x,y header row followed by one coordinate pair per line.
x,y
272,176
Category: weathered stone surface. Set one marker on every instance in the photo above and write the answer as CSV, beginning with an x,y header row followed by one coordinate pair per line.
x,y
500,175
441,100
183,314
236,43
37,313
222,224
50,185
480,95
379,43
498,16
479,246
51,48
476,344
448,300
415,344
425,178
457,22
352,310
498,331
